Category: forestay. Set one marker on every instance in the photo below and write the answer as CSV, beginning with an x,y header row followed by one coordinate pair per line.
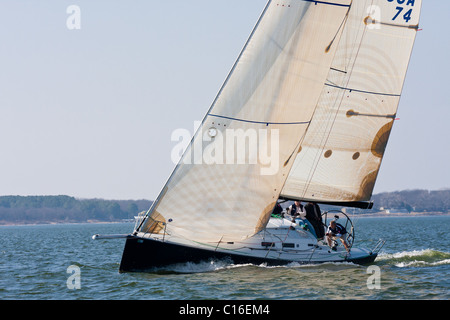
x,y
225,191
341,153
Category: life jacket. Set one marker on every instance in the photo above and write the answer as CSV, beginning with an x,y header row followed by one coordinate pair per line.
x,y
338,230
294,209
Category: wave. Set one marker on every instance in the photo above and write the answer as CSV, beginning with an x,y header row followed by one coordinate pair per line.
x,y
224,265
416,258
199,267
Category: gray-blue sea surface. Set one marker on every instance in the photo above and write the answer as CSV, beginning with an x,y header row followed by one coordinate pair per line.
x,y
54,262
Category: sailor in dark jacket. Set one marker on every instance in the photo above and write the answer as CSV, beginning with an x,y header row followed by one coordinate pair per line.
x,y
296,210
335,230
314,216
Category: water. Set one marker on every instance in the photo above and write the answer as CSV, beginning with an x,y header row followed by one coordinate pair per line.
x,y
34,260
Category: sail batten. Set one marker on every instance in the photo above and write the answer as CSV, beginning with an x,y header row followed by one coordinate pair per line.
x,y
259,122
328,3
363,91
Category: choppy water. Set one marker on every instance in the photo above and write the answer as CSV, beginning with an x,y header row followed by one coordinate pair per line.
x,y
34,262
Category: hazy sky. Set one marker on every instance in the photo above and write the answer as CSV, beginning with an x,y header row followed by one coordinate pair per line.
x,y
89,112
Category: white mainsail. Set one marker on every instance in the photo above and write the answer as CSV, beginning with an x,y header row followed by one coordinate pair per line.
x,y
341,153
223,192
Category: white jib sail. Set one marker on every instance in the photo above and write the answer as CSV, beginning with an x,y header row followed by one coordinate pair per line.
x,y
341,153
229,179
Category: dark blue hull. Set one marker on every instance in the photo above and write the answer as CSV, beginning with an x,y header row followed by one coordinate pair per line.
x,y
144,254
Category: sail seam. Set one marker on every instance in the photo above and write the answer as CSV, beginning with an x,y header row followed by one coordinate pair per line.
x,y
363,91
329,3
259,122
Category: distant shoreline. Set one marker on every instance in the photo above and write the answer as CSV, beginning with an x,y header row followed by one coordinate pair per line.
x,y
352,216
48,223
399,215
63,209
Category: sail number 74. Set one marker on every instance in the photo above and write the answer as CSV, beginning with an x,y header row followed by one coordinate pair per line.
x,y
402,11
406,16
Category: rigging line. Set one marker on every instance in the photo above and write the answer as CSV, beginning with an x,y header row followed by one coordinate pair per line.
x,y
258,122
218,243
144,217
292,166
299,144
314,250
363,91
329,3
327,137
327,49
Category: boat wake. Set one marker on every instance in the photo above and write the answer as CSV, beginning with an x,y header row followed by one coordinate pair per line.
x,y
415,258
200,267
403,259
225,265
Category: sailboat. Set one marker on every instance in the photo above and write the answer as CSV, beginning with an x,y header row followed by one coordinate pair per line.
x,y
304,114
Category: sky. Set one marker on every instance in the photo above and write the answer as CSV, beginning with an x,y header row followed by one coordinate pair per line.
x,y
88,109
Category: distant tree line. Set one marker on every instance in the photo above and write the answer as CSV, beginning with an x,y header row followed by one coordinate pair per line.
x,y
414,200
407,201
56,209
